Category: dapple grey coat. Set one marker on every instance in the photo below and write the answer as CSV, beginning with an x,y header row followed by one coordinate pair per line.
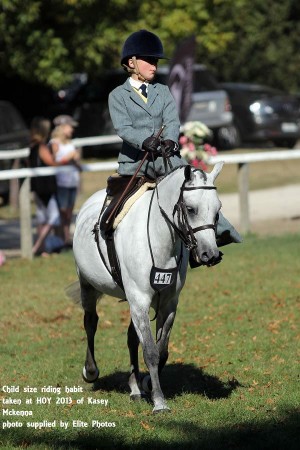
x,y
134,121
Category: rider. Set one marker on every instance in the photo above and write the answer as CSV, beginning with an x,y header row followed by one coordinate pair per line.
x,y
139,108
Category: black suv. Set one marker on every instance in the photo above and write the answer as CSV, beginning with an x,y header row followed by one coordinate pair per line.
x,y
262,113
14,134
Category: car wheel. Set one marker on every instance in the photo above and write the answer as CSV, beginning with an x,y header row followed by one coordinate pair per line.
x,y
288,142
228,137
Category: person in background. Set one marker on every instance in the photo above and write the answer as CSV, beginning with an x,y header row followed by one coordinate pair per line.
x,y
44,188
67,182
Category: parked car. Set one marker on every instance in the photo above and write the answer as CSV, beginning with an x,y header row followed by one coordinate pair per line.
x,y
262,114
14,134
29,98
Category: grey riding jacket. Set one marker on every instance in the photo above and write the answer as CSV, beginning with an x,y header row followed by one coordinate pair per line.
x,y
134,121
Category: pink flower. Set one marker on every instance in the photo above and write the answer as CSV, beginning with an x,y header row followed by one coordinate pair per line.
x,y
195,163
210,150
202,165
2,258
183,140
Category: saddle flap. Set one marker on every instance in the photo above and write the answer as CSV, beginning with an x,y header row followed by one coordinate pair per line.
x,y
116,185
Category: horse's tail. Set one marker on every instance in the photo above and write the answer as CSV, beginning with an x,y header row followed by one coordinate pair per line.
x,y
73,291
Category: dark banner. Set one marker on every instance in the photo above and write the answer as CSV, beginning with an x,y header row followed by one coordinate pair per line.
x,y
181,76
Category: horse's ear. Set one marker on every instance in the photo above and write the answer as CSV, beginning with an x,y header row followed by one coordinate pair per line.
x,y
216,170
188,174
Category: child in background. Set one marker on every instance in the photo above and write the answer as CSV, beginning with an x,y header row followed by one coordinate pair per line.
x,y
67,182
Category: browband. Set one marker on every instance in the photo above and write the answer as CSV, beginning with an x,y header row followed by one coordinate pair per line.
x,y
198,187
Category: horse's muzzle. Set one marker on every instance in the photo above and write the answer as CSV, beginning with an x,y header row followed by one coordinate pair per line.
x,y
215,260
204,260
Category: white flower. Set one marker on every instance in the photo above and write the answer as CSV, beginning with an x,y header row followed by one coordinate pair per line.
x,y
196,128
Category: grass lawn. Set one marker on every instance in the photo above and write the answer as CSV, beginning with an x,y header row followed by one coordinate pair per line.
x,y
232,376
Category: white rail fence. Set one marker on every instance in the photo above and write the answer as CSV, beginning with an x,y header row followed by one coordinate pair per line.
x,y
242,161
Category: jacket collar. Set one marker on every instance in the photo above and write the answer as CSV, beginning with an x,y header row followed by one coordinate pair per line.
x,y
152,93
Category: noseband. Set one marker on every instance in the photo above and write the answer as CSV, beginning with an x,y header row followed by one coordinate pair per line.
x,y
184,229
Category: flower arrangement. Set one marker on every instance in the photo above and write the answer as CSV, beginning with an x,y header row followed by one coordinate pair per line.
x,y
193,146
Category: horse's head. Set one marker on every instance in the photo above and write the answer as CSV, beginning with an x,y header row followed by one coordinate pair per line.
x,y
197,213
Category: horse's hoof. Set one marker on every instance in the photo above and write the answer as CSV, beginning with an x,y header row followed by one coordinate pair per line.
x,y
161,409
146,384
90,378
137,397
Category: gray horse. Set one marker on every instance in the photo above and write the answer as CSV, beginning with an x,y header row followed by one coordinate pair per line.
x,y
153,242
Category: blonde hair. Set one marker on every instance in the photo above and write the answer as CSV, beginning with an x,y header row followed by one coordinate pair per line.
x,y
39,130
59,134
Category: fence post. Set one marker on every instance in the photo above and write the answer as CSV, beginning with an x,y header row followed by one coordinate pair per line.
x,y
25,219
14,187
243,182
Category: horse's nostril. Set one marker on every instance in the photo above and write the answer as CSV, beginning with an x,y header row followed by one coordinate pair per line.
x,y
204,257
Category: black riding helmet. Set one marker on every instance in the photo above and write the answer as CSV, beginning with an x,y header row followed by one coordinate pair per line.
x,y
142,43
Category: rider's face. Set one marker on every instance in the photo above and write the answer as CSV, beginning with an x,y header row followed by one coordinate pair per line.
x,y
147,67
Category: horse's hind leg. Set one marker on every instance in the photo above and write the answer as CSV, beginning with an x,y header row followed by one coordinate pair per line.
x,y
134,378
89,298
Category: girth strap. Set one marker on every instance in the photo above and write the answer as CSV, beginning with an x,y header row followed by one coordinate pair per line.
x,y
113,259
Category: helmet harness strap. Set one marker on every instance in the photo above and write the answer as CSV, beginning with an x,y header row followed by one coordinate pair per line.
x,y
136,70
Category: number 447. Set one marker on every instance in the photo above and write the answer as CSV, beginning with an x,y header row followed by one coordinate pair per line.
x,y
162,278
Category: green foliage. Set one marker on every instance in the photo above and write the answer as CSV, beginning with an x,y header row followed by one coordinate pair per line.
x,y
246,40
264,48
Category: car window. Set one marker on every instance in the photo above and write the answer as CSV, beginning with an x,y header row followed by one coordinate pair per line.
x,y
204,81
251,95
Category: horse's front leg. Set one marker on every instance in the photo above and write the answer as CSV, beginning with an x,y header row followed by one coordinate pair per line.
x,y
164,323
89,298
134,378
141,323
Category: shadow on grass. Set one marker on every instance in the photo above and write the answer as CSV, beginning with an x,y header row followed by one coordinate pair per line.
x,y
175,380
268,435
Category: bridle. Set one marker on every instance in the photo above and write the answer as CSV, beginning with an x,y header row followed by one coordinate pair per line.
x,y
184,230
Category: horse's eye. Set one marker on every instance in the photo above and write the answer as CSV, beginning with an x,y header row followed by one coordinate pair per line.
x,y
217,218
191,210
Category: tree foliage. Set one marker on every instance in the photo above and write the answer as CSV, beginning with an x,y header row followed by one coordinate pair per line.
x,y
250,40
